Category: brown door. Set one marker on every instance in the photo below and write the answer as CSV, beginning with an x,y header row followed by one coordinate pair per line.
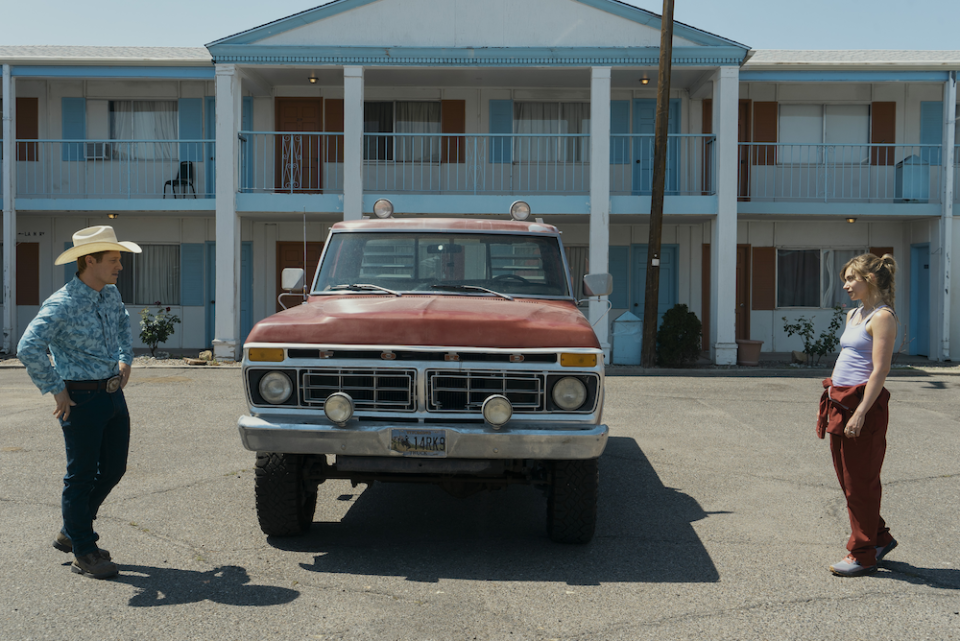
x,y
743,292
743,153
290,254
28,273
299,166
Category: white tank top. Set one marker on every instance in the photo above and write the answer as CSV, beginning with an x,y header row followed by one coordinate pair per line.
x,y
855,363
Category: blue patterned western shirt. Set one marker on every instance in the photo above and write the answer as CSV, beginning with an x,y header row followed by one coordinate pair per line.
x,y
88,333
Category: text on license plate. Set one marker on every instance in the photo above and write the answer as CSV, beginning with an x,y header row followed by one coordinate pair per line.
x,y
419,442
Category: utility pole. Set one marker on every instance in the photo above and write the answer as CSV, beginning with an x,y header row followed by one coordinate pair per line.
x,y
648,357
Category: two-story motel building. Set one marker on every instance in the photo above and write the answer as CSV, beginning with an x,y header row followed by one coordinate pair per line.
x,y
230,162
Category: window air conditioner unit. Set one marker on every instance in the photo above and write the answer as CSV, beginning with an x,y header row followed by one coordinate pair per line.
x,y
97,151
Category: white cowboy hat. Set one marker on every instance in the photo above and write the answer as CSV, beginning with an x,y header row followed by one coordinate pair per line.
x,y
92,240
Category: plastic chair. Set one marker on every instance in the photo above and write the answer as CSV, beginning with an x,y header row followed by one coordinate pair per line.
x,y
183,179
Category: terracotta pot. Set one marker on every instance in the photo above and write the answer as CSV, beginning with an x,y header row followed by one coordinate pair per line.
x,y
748,352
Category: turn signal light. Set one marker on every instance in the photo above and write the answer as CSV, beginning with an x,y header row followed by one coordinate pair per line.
x,y
265,354
578,360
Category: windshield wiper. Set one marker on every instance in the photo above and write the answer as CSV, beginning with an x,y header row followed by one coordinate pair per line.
x,y
356,287
474,288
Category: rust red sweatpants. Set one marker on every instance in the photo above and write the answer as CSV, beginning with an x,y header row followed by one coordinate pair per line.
x,y
858,462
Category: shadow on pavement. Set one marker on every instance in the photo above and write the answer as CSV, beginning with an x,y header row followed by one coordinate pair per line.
x,y
644,533
226,584
943,578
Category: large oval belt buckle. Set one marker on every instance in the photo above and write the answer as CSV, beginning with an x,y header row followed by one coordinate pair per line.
x,y
113,385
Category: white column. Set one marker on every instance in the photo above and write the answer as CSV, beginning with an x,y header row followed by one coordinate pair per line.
x,y
352,143
600,197
226,342
9,214
946,218
723,253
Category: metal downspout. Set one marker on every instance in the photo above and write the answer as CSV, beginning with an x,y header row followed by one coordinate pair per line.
x,y
9,215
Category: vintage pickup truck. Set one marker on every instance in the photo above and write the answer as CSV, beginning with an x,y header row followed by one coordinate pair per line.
x,y
447,351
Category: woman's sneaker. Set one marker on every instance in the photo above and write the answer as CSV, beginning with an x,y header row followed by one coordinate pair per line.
x,y
94,566
884,550
851,567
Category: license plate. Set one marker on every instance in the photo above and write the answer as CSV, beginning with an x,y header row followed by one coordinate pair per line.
x,y
419,442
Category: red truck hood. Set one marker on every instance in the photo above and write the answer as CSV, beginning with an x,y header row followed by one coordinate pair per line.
x,y
429,320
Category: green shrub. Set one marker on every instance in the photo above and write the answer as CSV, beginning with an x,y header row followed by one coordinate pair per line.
x,y
828,340
679,338
156,328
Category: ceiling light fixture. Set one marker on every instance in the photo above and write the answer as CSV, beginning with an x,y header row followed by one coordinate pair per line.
x,y
851,220
644,81
112,216
313,80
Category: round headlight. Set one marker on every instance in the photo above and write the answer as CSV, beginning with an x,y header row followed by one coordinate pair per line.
x,y
569,393
383,208
275,388
338,407
520,210
497,410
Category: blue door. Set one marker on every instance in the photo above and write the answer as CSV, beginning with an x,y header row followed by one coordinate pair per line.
x,y
644,122
669,281
246,290
919,331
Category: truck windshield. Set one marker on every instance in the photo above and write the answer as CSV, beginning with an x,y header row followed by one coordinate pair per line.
x,y
438,263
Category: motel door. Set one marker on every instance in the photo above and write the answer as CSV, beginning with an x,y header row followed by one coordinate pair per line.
x,y
298,165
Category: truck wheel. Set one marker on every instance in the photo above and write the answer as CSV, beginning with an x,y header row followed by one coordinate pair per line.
x,y
285,505
572,502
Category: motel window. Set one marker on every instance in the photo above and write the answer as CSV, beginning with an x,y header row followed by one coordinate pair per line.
x,y
148,123
417,122
818,133
811,277
544,118
151,276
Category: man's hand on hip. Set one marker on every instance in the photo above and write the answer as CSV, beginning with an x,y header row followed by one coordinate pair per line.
x,y
64,403
125,371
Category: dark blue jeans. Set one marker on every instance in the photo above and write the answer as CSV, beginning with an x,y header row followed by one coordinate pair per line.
x,y
97,437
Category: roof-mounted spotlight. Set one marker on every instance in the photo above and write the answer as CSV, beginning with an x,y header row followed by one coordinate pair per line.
x,y
520,210
383,208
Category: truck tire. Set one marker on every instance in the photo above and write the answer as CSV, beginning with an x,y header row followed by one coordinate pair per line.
x,y
285,505
572,502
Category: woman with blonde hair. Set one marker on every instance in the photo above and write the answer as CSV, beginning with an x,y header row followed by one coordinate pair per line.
x,y
854,408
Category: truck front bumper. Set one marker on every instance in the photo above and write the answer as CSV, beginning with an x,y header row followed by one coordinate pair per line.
x,y
544,441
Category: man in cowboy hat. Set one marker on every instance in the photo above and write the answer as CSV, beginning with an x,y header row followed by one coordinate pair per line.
x,y
87,330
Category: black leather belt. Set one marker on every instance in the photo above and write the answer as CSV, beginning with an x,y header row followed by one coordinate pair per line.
x,y
110,385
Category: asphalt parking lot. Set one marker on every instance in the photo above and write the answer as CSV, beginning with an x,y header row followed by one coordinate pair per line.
x,y
719,514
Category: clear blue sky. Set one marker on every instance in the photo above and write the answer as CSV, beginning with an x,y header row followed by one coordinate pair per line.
x,y
761,24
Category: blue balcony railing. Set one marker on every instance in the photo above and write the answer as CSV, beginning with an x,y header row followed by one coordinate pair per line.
x,y
850,173
690,167
115,169
468,163
272,162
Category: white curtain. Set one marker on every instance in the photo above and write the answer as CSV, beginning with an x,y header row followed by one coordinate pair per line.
x,y
418,118
151,120
551,118
151,276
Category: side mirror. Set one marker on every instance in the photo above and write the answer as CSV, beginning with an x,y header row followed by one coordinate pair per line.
x,y
597,284
291,278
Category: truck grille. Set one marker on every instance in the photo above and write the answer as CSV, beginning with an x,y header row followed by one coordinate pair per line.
x,y
374,390
466,391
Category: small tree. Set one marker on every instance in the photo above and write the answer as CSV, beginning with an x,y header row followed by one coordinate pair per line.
x,y
679,337
156,328
826,343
